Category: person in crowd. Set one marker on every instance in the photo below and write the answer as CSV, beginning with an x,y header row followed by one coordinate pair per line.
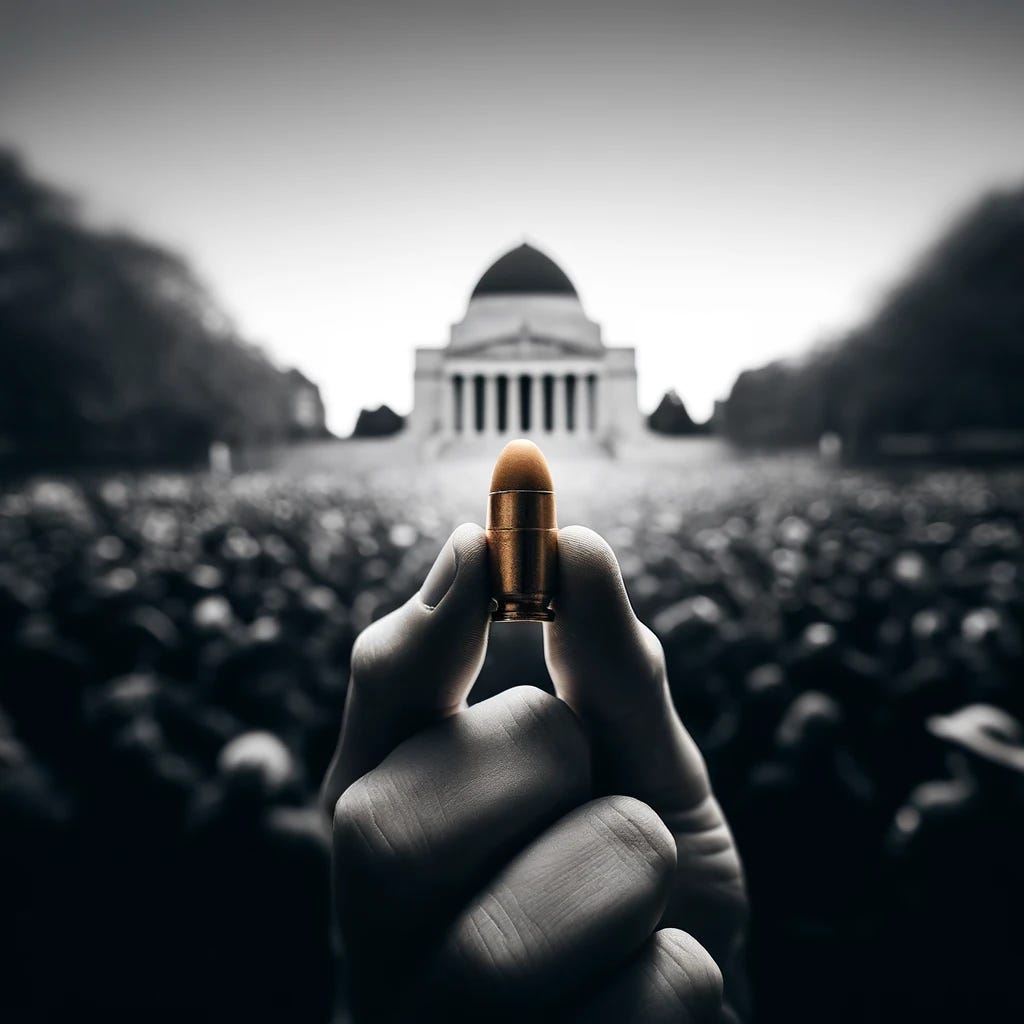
x,y
829,637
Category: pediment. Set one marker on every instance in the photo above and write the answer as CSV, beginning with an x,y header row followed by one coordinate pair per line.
x,y
523,347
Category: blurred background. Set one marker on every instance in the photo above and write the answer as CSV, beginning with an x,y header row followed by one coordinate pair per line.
x,y
226,230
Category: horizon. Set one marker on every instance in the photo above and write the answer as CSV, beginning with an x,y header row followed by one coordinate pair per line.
x,y
723,187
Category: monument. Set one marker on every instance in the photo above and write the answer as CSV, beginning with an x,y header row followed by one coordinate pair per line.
x,y
525,361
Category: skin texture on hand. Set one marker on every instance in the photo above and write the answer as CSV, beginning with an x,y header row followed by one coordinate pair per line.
x,y
558,857
610,669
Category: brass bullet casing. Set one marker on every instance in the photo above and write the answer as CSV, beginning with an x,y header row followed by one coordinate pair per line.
x,y
522,535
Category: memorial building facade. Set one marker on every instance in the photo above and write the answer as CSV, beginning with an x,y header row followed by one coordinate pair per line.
x,y
525,361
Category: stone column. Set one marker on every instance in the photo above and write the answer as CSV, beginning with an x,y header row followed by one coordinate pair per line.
x,y
513,410
497,404
592,394
491,404
447,406
474,404
536,405
558,404
463,419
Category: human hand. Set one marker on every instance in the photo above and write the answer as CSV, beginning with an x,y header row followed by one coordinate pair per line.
x,y
564,856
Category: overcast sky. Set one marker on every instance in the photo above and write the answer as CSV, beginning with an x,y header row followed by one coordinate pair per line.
x,y
724,182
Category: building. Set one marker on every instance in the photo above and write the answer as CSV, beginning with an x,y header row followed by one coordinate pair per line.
x,y
525,360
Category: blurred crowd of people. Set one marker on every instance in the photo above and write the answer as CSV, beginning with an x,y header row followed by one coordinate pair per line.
x,y
846,647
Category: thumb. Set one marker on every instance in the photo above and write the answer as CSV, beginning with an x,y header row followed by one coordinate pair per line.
x,y
417,664
610,669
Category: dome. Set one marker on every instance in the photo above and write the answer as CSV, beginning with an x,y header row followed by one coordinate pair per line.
x,y
524,271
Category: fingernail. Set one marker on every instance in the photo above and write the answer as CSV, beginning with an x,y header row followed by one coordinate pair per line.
x,y
441,576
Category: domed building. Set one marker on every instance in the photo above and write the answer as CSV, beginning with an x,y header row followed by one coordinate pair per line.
x,y
525,361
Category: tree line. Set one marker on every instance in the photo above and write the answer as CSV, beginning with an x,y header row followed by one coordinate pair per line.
x,y
943,353
110,345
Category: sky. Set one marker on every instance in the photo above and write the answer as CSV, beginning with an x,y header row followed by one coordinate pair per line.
x,y
725,183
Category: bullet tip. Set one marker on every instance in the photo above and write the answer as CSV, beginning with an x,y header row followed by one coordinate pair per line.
x,y
521,466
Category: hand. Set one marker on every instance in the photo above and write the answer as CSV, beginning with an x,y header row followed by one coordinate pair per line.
x,y
481,866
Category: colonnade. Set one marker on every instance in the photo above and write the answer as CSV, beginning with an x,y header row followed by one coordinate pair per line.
x,y
522,403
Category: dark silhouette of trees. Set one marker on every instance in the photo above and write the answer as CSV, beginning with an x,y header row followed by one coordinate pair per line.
x,y
109,346
380,422
672,418
944,353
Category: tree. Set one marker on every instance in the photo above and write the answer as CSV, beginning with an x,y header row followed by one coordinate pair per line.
x,y
109,345
944,352
671,417
380,422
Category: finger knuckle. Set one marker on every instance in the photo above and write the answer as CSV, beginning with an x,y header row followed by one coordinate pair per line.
x,y
640,837
686,973
363,656
537,717
653,649
368,838
376,659
491,949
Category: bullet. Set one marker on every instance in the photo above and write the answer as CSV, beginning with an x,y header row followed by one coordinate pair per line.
x,y
522,535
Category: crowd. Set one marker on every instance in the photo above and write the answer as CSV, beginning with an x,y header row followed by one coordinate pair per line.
x,y
847,647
